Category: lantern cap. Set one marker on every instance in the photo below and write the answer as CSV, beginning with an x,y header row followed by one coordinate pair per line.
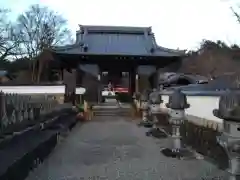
x,y
155,97
177,100
229,107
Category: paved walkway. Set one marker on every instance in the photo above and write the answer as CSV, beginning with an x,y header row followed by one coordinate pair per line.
x,y
115,149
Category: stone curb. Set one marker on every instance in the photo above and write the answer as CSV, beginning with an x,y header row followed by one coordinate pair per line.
x,y
26,151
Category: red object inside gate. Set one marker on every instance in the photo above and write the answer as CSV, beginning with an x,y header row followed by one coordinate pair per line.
x,y
120,89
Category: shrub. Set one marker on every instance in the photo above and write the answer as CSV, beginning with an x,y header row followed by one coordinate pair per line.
x,y
124,97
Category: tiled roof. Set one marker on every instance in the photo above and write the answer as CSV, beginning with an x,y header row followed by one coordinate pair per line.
x,y
221,83
168,78
117,40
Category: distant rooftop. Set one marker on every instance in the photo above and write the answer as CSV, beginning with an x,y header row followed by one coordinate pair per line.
x,y
117,40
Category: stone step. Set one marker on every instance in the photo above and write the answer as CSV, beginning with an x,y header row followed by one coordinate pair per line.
x,y
98,107
111,109
111,112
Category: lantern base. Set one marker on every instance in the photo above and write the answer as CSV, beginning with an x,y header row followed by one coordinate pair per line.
x,y
178,153
157,133
234,166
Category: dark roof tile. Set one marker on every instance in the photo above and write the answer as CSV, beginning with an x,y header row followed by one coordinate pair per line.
x,y
117,40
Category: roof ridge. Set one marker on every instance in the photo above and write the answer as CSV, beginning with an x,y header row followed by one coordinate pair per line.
x,y
169,50
125,29
149,42
69,46
113,26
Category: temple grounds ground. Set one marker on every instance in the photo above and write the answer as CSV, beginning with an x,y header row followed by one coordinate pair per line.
x,y
116,148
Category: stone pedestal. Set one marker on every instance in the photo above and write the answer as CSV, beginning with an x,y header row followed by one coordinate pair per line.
x,y
176,119
229,111
230,141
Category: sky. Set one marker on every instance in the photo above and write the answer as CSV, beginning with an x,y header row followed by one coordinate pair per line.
x,y
179,24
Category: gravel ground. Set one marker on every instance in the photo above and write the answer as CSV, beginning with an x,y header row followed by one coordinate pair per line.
x,y
116,149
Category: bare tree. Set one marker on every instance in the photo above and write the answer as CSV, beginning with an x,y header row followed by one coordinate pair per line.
x,y
39,28
8,40
236,14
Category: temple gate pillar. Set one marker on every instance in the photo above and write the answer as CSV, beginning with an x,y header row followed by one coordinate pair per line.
x,y
69,79
132,80
144,72
99,87
61,74
90,81
136,83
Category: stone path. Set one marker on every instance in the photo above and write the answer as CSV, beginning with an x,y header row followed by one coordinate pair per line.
x,y
115,149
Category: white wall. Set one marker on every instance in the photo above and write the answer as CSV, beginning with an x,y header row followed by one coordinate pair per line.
x,y
200,106
80,90
38,89
33,89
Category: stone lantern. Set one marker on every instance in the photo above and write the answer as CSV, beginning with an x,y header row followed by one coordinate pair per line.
x,y
161,87
229,111
145,110
155,99
177,105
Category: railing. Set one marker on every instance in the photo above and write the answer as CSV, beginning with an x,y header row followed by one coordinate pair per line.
x,y
34,89
18,112
33,120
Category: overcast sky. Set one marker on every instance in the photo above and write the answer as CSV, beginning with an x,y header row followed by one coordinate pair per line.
x,y
176,23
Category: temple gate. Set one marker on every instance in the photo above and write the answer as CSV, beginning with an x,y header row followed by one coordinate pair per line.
x,y
126,56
